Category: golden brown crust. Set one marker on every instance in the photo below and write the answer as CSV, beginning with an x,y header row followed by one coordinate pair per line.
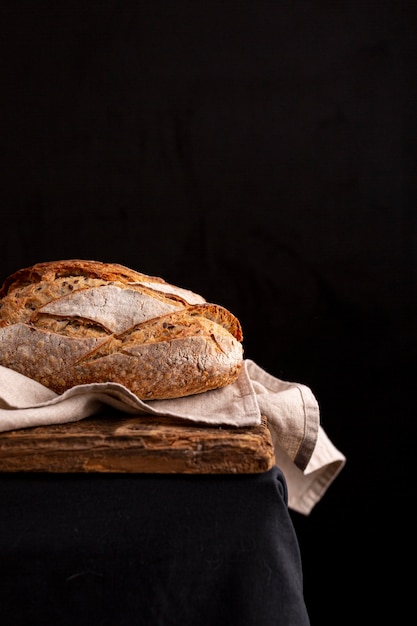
x,y
50,270
66,323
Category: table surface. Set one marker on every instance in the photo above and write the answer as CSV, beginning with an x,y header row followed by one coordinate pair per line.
x,y
129,549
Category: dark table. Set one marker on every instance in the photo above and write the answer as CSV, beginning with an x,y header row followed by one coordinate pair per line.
x,y
148,549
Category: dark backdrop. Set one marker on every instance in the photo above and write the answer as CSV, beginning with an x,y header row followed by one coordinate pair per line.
x,y
262,154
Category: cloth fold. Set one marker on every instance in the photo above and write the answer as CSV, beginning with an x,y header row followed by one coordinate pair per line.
x,y
307,457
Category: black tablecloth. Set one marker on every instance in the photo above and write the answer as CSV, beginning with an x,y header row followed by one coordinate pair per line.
x,y
116,550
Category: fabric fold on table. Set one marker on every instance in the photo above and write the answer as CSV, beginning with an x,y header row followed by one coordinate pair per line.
x,y
307,457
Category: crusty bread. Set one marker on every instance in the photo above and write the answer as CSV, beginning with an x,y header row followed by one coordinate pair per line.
x,y
66,323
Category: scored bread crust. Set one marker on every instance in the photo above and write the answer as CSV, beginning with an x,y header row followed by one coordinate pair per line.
x,y
73,322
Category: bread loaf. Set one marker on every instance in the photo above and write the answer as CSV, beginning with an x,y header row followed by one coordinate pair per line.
x,y
72,322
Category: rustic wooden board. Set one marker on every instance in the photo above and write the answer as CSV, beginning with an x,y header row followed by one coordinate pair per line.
x,y
138,444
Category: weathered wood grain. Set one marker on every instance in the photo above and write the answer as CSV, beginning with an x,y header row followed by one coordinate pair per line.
x,y
139,444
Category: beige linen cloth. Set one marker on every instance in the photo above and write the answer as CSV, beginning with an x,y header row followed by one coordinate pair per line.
x,y
308,459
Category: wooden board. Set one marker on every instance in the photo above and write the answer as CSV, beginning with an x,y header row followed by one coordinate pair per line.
x,y
139,444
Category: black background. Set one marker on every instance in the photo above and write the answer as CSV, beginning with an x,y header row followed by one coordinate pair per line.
x,y
262,154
